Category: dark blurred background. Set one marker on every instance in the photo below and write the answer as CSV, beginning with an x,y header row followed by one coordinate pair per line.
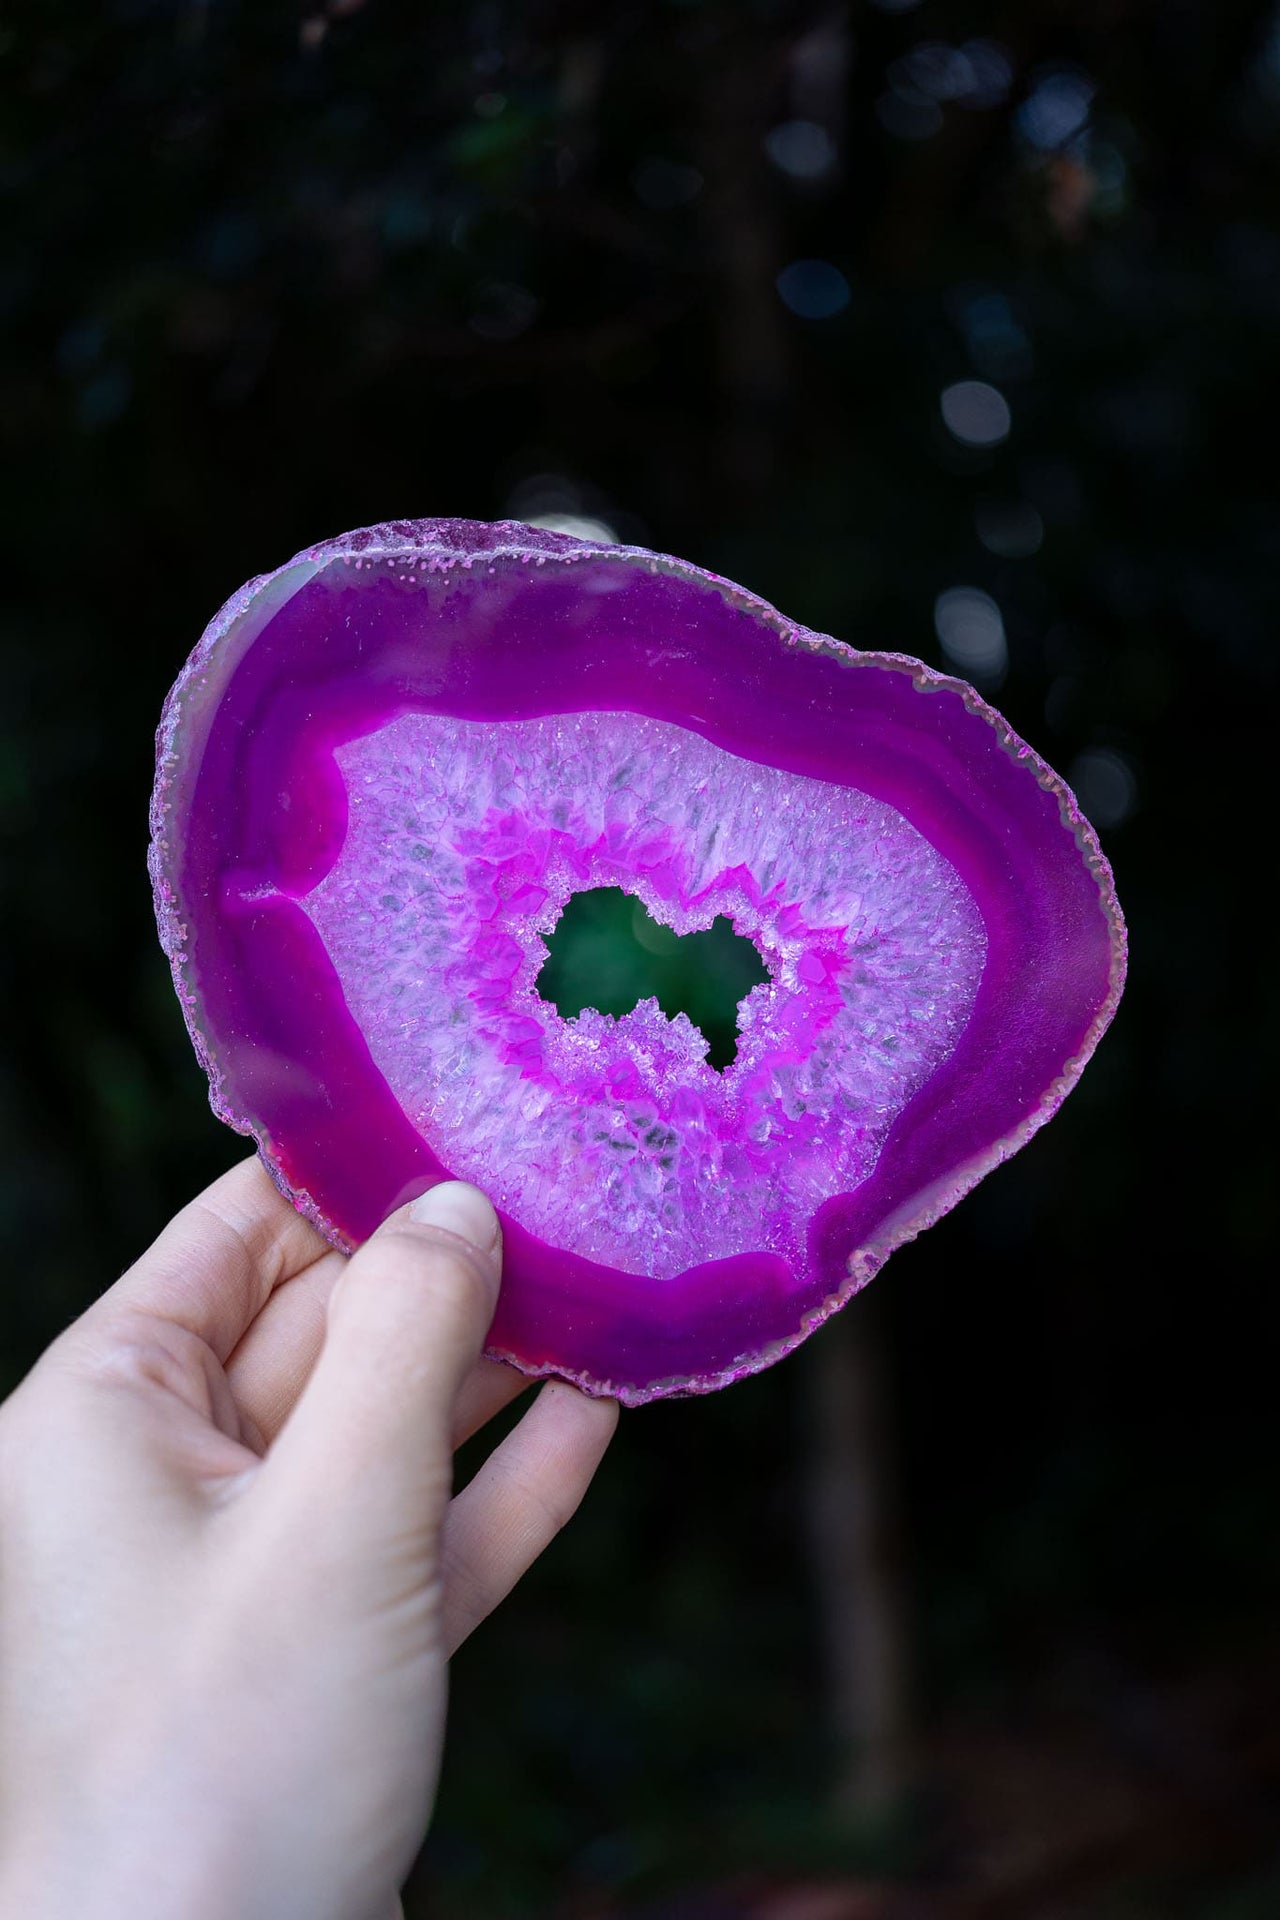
x,y
951,328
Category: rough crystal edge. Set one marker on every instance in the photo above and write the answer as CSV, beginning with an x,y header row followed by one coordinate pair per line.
x,y
391,538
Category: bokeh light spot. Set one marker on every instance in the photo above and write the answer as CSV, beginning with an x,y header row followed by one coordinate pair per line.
x,y
503,311
976,413
814,289
559,504
1105,784
581,526
992,70
936,70
1056,108
970,630
801,148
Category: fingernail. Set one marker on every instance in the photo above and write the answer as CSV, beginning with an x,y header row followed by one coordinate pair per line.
x,y
462,1209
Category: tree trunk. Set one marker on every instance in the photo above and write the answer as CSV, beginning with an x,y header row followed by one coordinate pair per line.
x,y
857,1562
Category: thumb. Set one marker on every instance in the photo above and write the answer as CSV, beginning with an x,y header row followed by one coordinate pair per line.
x,y
366,1455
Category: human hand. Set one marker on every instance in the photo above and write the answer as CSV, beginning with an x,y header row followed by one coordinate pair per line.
x,y
231,1573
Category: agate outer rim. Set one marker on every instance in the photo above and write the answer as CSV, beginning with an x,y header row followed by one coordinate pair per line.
x,y
470,545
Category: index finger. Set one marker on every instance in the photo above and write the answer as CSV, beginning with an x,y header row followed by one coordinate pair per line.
x,y
364,1459
217,1263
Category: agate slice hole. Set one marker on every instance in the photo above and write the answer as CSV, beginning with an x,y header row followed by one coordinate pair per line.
x,y
607,952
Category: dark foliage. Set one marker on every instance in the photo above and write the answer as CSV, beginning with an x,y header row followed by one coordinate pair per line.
x,y
704,272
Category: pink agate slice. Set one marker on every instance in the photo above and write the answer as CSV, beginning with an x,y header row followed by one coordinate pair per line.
x,y
388,766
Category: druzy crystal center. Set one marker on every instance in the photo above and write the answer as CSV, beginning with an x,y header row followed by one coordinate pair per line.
x,y
614,1133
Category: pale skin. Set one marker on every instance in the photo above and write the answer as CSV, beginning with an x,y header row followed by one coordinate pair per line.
x,y
232,1568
